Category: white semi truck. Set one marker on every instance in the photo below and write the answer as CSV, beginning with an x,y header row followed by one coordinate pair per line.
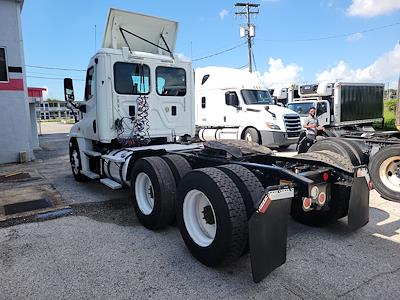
x,y
227,197
347,110
235,104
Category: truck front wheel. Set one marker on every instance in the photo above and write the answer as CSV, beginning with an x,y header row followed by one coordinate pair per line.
x,y
251,135
75,161
211,216
153,192
384,169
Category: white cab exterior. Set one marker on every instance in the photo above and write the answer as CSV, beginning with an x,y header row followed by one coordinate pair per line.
x,y
215,119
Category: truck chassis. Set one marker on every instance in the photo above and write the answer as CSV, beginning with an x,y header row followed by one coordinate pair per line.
x,y
229,197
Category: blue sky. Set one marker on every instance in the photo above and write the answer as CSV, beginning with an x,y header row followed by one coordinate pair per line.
x,y
61,34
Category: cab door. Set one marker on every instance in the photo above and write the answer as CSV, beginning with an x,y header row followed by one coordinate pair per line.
x,y
89,125
323,113
232,115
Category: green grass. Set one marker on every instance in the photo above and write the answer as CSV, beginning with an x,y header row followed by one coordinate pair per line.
x,y
390,119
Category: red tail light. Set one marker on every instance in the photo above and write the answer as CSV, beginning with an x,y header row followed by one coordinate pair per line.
x,y
325,176
307,203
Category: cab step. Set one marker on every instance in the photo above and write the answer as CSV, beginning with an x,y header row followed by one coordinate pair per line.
x,y
111,183
90,174
92,153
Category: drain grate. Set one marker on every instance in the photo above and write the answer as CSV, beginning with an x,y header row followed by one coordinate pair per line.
x,y
14,176
20,207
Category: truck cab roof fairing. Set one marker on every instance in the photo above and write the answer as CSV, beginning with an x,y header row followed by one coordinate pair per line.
x,y
148,33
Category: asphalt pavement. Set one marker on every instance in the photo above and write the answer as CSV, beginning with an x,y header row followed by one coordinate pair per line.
x,y
99,250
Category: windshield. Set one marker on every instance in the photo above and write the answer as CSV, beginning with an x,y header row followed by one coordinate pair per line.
x,y
301,108
256,97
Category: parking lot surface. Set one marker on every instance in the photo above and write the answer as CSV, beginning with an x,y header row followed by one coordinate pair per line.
x,y
99,250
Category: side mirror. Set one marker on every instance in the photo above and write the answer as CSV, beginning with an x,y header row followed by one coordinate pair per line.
x,y
232,99
68,90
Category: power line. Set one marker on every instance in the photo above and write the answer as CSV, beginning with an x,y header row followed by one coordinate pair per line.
x,y
55,68
335,36
219,53
55,78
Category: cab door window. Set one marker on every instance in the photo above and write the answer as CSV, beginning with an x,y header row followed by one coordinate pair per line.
x,y
321,108
90,84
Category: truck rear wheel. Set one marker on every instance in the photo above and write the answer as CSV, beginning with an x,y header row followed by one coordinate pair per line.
x,y
178,165
338,146
211,216
75,161
384,169
153,192
249,186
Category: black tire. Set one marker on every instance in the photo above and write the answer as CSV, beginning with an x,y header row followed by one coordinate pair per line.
x,y
333,210
230,216
383,177
163,191
178,165
75,161
330,158
338,146
251,134
364,159
249,186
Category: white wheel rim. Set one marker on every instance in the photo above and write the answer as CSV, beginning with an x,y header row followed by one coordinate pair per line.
x,y
75,161
248,137
389,172
144,193
199,218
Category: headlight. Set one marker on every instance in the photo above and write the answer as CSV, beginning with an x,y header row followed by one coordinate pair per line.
x,y
272,126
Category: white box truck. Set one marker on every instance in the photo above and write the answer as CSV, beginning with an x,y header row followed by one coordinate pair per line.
x,y
226,197
347,110
235,104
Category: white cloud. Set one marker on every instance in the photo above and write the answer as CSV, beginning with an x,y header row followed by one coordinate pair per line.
x,y
355,37
372,8
223,13
279,75
385,68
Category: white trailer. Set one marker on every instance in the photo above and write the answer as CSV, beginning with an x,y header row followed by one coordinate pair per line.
x,y
235,104
227,197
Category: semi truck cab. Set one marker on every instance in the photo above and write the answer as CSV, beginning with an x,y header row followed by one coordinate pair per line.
x,y
234,104
136,90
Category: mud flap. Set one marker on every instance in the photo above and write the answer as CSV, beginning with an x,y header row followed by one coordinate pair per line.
x,y
358,213
268,231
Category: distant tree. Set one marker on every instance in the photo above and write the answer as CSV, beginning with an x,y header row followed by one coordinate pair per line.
x,y
391,105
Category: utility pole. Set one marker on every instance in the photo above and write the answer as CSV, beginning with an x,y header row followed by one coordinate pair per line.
x,y
248,9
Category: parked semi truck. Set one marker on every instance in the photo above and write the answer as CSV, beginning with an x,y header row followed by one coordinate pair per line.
x,y
348,110
227,197
235,104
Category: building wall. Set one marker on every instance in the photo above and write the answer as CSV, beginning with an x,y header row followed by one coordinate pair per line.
x,y
15,122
